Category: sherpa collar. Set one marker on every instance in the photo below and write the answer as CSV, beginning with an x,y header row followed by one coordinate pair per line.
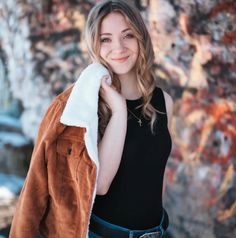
x,y
82,106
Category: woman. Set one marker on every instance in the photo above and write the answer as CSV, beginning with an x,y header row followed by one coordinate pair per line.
x,y
131,173
133,147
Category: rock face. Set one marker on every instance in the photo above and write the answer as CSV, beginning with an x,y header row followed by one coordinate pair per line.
x,y
194,43
199,58
15,147
15,152
10,186
51,37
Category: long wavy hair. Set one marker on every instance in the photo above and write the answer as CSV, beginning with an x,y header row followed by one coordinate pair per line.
x,y
144,65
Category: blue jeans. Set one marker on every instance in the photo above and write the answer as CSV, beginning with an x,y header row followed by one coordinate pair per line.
x,y
104,223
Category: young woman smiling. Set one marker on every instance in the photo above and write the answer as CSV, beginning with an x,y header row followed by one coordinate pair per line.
x,y
134,119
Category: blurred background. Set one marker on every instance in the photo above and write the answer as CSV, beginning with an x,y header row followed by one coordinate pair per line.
x,y
42,51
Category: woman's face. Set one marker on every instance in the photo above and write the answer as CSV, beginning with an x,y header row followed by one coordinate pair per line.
x,y
119,46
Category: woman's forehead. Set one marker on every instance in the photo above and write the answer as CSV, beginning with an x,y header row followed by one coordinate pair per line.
x,y
114,22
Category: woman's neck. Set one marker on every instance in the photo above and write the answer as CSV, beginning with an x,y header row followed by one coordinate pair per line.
x,y
129,87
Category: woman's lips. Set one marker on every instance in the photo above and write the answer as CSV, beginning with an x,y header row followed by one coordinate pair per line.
x,y
121,60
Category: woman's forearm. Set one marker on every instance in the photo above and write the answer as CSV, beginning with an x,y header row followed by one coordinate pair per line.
x,y
110,150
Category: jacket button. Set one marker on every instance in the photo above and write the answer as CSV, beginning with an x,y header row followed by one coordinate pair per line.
x,y
69,150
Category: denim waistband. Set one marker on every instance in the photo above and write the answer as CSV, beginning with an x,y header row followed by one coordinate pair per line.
x,y
132,233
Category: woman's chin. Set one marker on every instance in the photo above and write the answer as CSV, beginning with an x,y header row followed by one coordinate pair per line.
x,y
122,71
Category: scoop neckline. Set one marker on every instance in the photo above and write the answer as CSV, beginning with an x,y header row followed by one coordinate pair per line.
x,y
134,100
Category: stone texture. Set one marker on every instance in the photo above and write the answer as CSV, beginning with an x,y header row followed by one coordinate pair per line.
x,y
194,43
7,209
15,147
10,186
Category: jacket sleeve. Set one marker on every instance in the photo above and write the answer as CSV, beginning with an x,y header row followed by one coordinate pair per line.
x,y
34,194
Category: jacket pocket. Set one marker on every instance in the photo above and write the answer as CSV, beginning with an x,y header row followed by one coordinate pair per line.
x,y
69,158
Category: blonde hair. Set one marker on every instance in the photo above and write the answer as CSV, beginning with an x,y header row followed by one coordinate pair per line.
x,y
144,65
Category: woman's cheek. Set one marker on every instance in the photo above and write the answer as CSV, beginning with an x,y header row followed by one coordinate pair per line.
x,y
104,51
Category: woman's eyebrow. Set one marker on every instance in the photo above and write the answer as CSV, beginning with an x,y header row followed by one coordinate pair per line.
x,y
127,29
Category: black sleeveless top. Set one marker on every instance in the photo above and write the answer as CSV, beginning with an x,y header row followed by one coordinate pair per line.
x,y
134,199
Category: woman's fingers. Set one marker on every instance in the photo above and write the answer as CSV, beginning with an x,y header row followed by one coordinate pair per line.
x,y
106,82
111,96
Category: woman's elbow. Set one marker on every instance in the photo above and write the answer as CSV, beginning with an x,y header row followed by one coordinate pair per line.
x,y
102,189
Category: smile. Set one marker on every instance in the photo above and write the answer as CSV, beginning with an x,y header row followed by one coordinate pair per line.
x,y
121,60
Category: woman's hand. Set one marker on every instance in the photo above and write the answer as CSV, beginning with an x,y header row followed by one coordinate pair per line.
x,y
115,100
115,132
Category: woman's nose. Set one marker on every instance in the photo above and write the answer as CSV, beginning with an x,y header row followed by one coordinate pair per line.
x,y
118,45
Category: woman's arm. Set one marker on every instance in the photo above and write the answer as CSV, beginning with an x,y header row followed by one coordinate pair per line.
x,y
110,148
169,108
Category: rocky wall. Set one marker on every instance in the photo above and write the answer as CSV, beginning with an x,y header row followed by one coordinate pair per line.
x,y
196,51
194,43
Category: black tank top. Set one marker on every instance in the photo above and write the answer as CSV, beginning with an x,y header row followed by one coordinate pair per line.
x,y
134,199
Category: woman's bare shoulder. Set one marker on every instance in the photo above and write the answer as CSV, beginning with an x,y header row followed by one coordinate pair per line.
x,y
169,106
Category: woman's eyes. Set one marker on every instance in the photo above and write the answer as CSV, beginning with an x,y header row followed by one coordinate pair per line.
x,y
104,40
127,36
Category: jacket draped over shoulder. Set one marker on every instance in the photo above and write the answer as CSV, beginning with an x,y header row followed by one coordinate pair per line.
x,y
58,193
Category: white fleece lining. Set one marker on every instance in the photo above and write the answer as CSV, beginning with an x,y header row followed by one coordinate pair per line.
x,y
82,106
81,109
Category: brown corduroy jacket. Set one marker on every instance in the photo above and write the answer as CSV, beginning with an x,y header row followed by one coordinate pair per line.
x,y
59,189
